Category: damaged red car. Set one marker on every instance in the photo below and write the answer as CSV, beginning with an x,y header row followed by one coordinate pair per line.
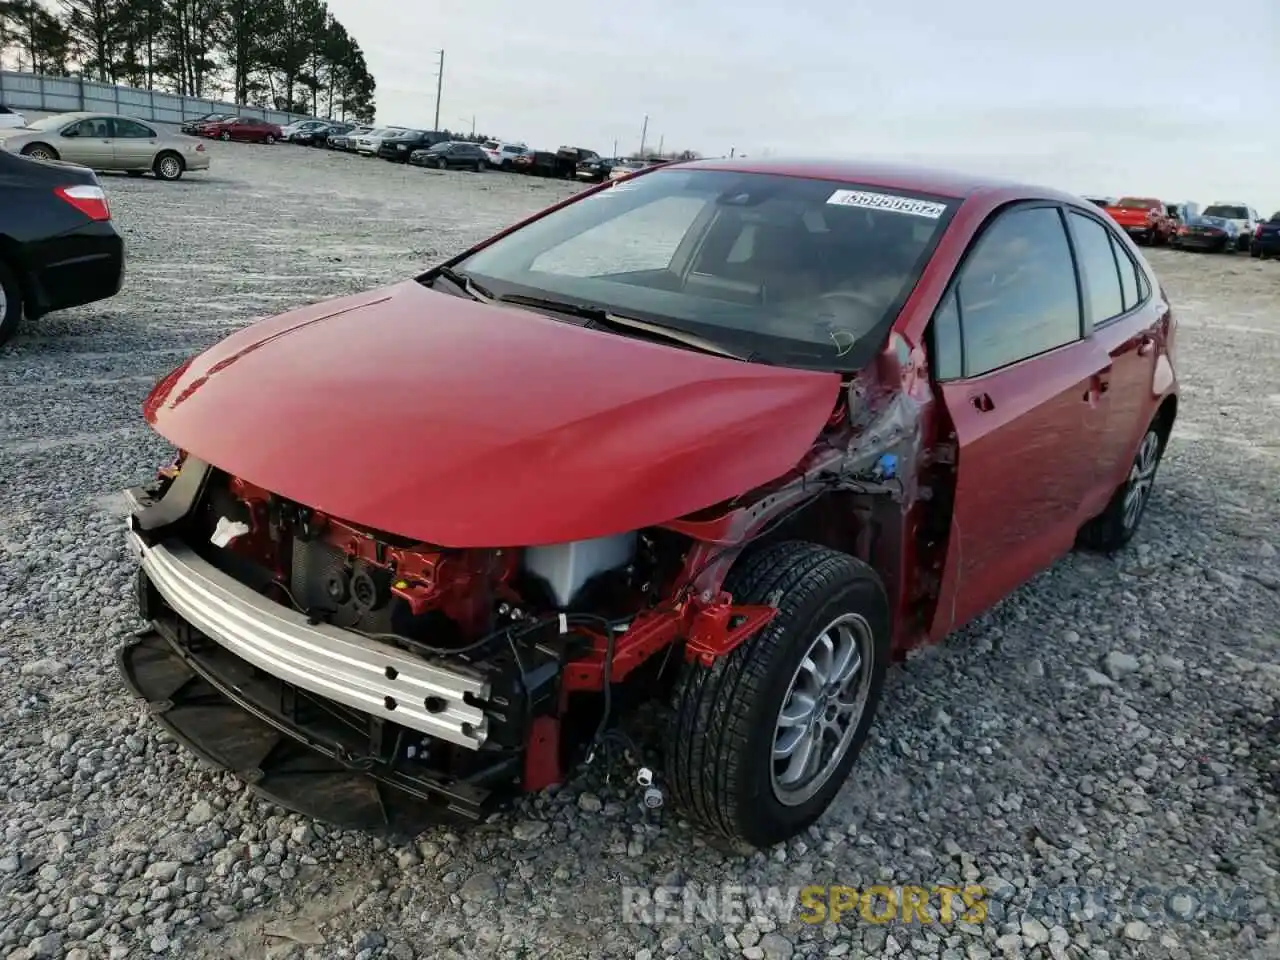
x,y
724,438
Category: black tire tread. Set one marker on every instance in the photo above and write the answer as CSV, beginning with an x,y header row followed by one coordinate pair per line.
x,y
710,723
9,280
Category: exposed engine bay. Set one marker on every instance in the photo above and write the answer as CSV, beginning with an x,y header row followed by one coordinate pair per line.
x,y
453,676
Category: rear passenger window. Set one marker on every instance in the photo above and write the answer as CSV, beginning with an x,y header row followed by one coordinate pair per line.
x,y
1017,293
1098,269
1128,275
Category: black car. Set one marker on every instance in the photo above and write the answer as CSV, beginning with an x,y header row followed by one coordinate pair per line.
x,y
595,169
1265,241
401,146
1215,234
58,247
192,127
452,154
319,136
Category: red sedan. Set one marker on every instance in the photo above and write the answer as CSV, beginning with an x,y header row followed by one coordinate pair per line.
x,y
729,436
244,129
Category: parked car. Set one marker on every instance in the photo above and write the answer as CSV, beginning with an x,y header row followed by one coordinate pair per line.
x,y
503,155
1099,201
1215,234
1143,218
765,458
539,163
58,247
346,141
367,144
297,126
11,119
595,169
626,167
319,136
1265,241
194,127
451,155
103,141
401,146
1243,216
243,129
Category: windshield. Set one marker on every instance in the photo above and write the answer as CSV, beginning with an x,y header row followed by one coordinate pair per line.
x,y
1136,203
1227,212
798,271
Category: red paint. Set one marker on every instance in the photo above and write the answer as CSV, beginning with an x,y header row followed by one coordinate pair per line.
x,y
542,765
1150,221
468,425
475,426
244,129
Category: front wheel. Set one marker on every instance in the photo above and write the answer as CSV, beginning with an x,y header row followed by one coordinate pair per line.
x,y
40,151
269,139
760,743
225,136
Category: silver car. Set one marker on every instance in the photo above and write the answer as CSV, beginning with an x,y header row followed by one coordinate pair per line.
x,y
105,141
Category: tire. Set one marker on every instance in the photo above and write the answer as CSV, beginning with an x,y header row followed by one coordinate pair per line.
x,y
1242,243
479,168
269,139
726,719
1115,526
1255,253
224,136
10,303
40,151
169,166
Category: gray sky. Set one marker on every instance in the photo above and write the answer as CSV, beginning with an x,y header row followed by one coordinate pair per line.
x,y
1173,98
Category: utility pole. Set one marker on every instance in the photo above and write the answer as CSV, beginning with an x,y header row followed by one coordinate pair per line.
x,y
615,149
661,140
439,87
732,150
644,132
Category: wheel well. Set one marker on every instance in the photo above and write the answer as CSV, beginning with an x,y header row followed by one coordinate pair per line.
x,y
1163,420
170,153
9,258
41,143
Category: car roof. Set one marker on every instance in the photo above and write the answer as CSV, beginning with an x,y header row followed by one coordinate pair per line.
x,y
941,182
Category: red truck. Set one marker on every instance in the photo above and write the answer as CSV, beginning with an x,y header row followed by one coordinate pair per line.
x,y
1145,219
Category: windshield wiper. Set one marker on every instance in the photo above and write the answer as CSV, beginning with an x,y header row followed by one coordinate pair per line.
x,y
468,286
598,317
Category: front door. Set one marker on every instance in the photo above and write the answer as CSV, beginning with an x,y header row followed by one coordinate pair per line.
x,y
88,143
1026,393
136,144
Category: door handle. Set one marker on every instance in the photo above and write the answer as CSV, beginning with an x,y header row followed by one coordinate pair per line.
x,y
982,402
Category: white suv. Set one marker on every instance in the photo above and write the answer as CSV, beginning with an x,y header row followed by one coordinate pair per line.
x,y
502,155
1243,216
11,119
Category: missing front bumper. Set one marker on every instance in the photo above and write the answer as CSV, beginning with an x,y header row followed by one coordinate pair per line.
x,y
372,677
298,751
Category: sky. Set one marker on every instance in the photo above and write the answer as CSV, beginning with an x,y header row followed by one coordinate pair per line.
x,y
1171,98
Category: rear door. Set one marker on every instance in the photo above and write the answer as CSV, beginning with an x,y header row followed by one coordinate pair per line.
x,y
1025,392
136,144
1123,317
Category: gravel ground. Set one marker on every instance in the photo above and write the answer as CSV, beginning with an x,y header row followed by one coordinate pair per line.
x,y
1113,725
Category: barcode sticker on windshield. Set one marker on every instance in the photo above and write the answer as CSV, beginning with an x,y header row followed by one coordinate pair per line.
x,y
885,201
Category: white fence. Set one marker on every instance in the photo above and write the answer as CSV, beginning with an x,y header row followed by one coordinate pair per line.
x,y
34,91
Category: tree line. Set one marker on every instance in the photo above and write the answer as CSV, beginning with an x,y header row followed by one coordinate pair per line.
x,y
285,54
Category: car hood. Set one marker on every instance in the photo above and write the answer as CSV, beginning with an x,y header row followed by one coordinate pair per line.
x,y
473,425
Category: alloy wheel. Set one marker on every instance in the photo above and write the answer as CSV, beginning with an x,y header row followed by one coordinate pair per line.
x,y
4,302
822,708
170,168
1141,475
39,153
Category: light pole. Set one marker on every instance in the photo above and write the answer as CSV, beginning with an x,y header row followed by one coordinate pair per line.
x,y
644,132
439,87
472,121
